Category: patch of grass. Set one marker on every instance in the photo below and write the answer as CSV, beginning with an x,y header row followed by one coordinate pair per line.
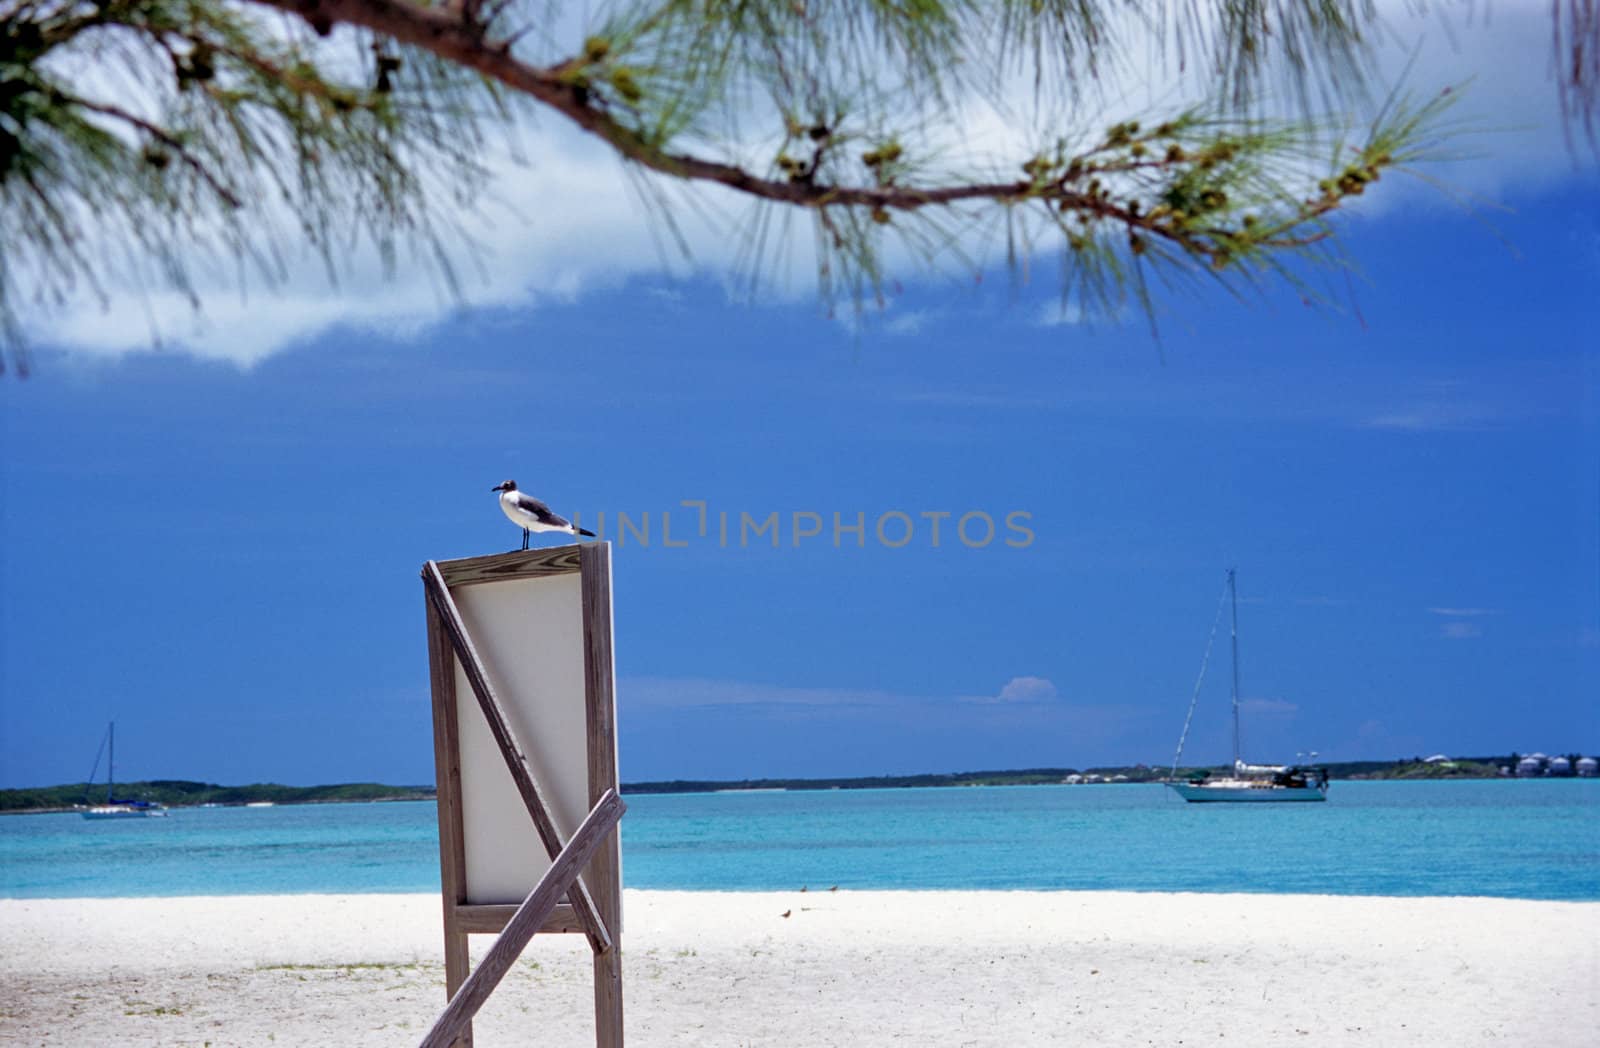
x,y
144,1008
346,968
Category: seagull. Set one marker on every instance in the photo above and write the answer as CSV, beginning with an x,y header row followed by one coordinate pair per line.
x,y
529,514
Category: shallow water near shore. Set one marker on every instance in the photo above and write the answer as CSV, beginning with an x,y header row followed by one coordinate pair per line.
x,y
1521,840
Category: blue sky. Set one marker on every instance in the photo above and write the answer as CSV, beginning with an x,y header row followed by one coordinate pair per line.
x,y
223,556
1411,503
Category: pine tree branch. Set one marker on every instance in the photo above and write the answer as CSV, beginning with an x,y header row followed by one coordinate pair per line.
x,y
163,136
259,116
1114,183
443,32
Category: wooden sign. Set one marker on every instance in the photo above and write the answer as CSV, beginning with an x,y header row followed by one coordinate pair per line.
x,y
524,731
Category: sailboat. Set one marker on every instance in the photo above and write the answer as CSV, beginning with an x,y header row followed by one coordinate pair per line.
x,y
1247,782
113,808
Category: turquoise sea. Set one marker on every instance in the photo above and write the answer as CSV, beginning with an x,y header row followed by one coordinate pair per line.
x,y
1524,839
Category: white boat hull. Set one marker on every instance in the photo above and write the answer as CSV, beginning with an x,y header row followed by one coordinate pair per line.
x,y
120,812
1242,791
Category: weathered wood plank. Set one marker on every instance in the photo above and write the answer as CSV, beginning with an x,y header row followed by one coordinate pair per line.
x,y
604,872
520,564
491,918
447,779
515,757
530,916
608,999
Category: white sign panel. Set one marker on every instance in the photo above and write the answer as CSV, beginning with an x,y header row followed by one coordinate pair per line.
x,y
528,632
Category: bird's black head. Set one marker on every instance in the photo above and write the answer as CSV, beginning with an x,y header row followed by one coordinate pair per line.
x,y
505,485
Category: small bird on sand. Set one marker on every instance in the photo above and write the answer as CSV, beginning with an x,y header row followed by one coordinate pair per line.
x,y
531,515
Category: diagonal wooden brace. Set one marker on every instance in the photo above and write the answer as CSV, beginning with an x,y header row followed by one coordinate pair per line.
x,y
516,762
526,922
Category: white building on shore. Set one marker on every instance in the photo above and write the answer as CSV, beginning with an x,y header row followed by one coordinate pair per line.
x,y
1537,766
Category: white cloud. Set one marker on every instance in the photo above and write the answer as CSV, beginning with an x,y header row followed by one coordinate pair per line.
x,y
910,323
1436,417
565,223
882,319
1059,314
1461,623
1464,405
571,221
1021,690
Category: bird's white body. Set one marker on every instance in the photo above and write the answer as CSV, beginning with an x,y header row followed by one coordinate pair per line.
x,y
524,512
531,515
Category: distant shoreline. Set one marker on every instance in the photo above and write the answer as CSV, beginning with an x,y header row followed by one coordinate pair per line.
x,y
174,793
1460,768
178,793
409,798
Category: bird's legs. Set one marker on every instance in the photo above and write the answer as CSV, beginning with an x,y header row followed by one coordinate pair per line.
x,y
525,534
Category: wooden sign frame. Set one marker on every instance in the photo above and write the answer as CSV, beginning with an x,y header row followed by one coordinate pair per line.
x,y
586,868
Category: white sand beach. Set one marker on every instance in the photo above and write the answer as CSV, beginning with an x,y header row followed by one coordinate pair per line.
x,y
843,968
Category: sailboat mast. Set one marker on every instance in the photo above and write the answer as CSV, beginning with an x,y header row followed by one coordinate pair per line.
x,y
1233,597
111,762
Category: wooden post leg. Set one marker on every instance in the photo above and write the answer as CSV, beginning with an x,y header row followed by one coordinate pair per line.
x,y
600,714
456,969
608,997
447,774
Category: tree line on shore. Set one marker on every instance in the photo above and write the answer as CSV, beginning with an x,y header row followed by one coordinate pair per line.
x,y
175,793
184,793
1409,768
